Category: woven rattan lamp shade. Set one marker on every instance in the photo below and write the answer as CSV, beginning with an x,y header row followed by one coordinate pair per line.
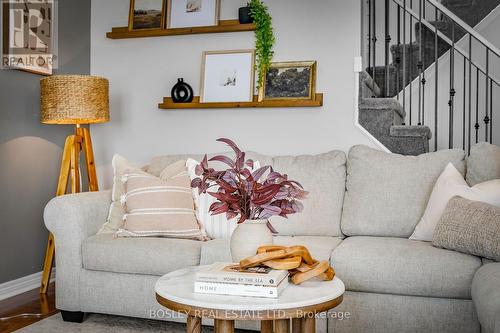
x,y
74,99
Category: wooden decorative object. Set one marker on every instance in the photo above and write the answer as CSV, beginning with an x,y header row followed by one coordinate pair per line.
x,y
317,101
65,100
296,259
223,26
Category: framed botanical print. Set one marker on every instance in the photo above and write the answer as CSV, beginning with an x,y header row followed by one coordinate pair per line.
x,y
227,76
146,14
289,80
192,13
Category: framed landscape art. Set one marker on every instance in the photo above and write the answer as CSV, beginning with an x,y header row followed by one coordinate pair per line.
x,y
289,80
192,13
146,14
227,76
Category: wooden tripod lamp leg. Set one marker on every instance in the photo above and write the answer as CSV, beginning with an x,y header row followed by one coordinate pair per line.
x,y
89,159
70,166
61,189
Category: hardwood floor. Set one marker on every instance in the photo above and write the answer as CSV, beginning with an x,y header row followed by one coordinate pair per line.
x,y
29,302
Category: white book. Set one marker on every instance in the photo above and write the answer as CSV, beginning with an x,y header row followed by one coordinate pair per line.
x,y
233,273
232,289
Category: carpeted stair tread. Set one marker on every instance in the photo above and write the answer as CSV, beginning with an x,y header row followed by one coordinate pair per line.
x,y
379,77
375,104
471,11
368,87
405,145
411,131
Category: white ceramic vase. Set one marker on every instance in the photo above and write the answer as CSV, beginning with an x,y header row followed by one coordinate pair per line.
x,y
247,237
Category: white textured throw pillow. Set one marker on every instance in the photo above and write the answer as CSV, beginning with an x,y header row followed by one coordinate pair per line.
x,y
449,184
216,226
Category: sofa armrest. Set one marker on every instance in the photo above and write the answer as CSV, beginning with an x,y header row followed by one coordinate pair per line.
x,y
71,219
486,296
77,215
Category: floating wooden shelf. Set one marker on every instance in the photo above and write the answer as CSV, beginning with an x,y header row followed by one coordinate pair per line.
x,y
281,103
224,26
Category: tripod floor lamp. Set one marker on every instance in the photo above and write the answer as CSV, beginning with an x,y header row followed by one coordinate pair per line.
x,y
75,100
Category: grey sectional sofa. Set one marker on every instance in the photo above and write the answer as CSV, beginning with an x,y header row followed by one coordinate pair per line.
x,y
359,215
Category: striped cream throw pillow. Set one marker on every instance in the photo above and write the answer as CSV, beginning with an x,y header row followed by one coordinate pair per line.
x,y
161,207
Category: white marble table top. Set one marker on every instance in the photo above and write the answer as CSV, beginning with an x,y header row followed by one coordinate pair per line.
x,y
178,286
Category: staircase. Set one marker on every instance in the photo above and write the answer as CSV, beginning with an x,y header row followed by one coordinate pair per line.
x,y
416,35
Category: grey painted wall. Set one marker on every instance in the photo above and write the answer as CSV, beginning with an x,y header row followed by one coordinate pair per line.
x,y
30,152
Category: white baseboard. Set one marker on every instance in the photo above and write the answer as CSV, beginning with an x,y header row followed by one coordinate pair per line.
x,y
21,285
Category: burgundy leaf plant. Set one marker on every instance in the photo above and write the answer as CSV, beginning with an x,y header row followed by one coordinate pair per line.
x,y
247,193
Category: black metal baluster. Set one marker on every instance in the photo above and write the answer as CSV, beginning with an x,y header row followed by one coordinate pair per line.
x,y
464,101
411,62
374,39
398,56
423,75
476,125
452,86
436,79
387,42
470,95
370,38
420,64
491,110
486,118
404,58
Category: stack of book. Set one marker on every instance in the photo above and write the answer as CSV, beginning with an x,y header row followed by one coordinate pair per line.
x,y
231,279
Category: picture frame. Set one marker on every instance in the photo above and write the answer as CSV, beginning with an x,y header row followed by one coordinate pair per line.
x,y
289,80
227,76
146,15
192,13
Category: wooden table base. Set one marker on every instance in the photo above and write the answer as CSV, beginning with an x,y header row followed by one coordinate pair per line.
x,y
299,325
193,324
224,326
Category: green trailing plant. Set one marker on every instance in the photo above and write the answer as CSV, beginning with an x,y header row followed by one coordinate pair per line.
x,y
264,37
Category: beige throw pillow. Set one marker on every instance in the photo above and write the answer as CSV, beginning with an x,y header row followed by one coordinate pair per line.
x,y
116,209
470,227
161,207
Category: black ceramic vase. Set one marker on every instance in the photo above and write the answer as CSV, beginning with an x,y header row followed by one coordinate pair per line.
x,y
244,15
181,92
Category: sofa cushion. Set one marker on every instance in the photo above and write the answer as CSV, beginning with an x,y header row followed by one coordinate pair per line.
x,y
483,163
323,176
215,250
387,193
486,296
159,163
321,247
404,267
152,256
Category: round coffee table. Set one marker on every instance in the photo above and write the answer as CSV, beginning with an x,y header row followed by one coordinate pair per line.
x,y
300,303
